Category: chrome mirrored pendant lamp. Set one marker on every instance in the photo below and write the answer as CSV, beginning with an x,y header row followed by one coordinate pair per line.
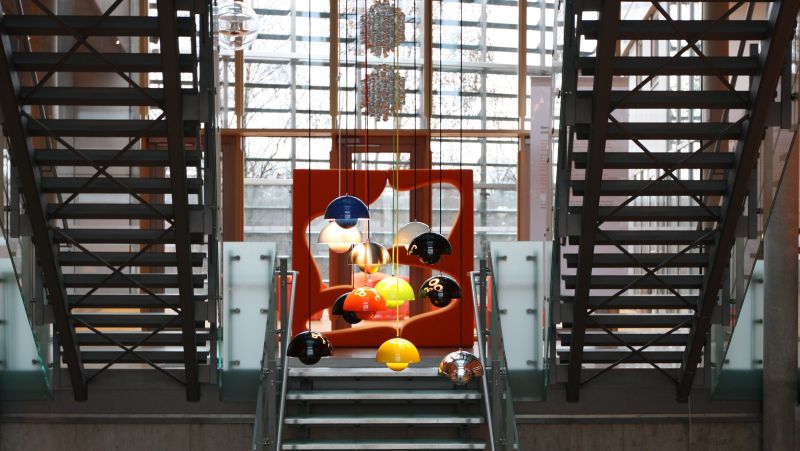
x,y
238,25
460,367
369,256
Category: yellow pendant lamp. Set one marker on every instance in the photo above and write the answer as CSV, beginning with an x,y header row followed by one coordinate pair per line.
x,y
338,238
397,353
395,290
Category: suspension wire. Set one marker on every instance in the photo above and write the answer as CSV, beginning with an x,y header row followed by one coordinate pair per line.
x,y
441,116
396,176
365,99
414,160
460,173
310,219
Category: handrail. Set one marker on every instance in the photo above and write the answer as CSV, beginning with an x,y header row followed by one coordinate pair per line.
x,y
286,330
479,306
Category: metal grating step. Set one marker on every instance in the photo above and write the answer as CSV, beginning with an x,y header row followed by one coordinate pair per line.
x,y
43,25
642,320
129,300
666,187
382,420
134,320
411,443
635,281
103,184
591,356
101,157
382,395
162,338
666,130
621,260
113,211
629,338
109,128
124,258
122,236
646,237
92,356
128,280
663,65
89,62
655,160
666,214
647,30
98,96
637,302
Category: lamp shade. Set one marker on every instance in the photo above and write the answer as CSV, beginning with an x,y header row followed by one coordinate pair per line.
x,y
238,25
395,290
364,302
397,353
309,347
338,310
346,211
338,238
429,247
440,290
460,367
369,256
410,231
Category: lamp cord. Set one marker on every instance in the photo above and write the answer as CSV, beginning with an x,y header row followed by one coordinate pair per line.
x,y
460,173
310,219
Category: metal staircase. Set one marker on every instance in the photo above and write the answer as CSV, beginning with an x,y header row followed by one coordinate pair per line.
x,y
646,232
375,408
115,182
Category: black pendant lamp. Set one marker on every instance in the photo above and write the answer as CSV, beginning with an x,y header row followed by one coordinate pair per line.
x,y
429,247
440,290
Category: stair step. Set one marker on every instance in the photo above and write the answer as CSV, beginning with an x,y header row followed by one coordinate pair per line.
x,y
380,420
664,65
162,338
102,157
122,236
636,302
98,96
410,372
621,260
369,444
666,187
90,62
135,320
128,300
629,338
641,320
113,211
103,184
647,30
105,128
127,281
640,160
665,130
43,25
616,282
382,395
614,356
93,356
665,214
647,237
123,258
596,5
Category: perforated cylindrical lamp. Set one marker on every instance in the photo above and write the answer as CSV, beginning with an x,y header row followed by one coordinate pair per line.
x,y
397,353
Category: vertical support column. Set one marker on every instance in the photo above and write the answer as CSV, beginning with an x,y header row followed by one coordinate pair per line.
x,y
524,155
232,188
333,70
780,313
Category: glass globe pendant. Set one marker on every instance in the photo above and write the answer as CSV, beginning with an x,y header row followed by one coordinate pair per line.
x,y
346,211
395,290
460,367
429,247
365,302
309,347
369,256
339,239
238,25
397,353
410,231
440,290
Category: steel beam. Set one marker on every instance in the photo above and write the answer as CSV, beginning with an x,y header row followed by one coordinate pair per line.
x,y
601,101
173,107
21,149
762,91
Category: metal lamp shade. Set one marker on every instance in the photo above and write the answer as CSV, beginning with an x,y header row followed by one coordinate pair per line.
x,y
397,353
338,238
369,256
395,290
309,347
429,247
460,367
346,211
338,310
364,302
410,231
440,290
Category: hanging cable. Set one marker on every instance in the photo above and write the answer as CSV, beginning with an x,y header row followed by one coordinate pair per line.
x,y
310,251
460,173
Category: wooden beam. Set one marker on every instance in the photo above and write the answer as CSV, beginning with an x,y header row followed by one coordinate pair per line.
x,y
238,88
232,188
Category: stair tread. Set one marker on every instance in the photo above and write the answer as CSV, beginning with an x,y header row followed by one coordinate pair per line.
x,y
645,237
642,302
637,281
122,236
127,280
162,356
640,160
377,419
341,395
113,211
134,157
90,62
44,25
94,96
103,184
162,338
406,443
120,258
135,320
683,29
128,300
363,372
620,260
665,130
671,214
105,128
664,65
667,187
631,338
638,320
593,356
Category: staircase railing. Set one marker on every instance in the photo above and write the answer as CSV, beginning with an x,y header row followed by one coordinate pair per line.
x,y
271,401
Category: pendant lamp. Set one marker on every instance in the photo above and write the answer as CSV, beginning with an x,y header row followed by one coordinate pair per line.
x,y
238,25
397,353
395,290
364,302
369,256
429,247
338,238
309,347
338,310
410,231
460,367
440,290
346,211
